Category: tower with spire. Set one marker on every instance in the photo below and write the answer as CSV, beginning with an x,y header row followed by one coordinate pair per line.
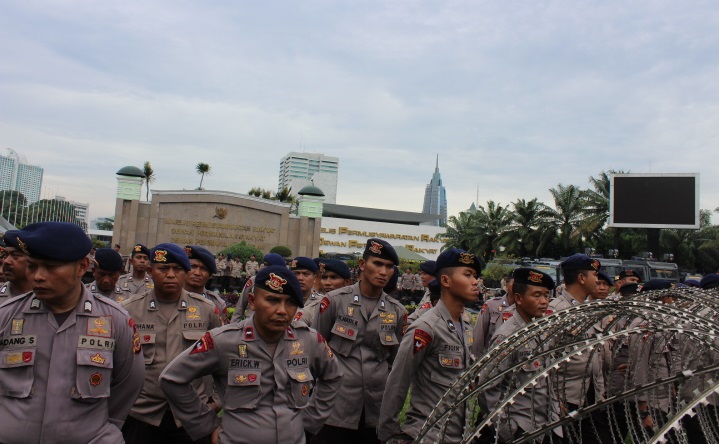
x,y
435,197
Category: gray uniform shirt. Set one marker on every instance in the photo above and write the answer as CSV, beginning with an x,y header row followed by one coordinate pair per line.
x,y
73,383
6,292
494,312
130,286
268,398
242,309
116,295
162,339
365,344
432,355
308,313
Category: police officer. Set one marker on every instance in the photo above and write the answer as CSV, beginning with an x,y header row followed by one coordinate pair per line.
x,y
138,281
493,313
435,291
14,265
364,328
242,309
202,264
334,274
169,320
601,289
108,268
627,276
305,270
251,266
537,405
70,367
280,379
433,354
426,274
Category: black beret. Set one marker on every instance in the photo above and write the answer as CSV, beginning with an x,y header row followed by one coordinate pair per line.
x,y
692,282
454,257
628,273
170,254
274,259
335,265
428,267
629,289
580,261
303,263
709,281
530,276
6,237
391,284
657,284
381,249
434,287
605,277
279,280
140,249
56,241
109,260
203,255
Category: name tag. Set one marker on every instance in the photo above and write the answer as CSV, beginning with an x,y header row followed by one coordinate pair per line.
x,y
18,341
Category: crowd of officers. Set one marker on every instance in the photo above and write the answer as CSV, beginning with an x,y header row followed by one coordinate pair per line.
x,y
151,356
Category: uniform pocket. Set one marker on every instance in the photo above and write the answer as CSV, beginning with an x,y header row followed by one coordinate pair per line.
x,y
243,389
301,381
343,337
94,374
192,336
16,372
148,346
443,378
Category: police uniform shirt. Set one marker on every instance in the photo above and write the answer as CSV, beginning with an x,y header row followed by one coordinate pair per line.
x,y
237,269
650,358
73,383
493,313
6,292
571,378
116,295
252,267
425,298
308,313
434,352
242,308
424,308
162,339
407,281
270,396
131,286
220,303
365,345
537,405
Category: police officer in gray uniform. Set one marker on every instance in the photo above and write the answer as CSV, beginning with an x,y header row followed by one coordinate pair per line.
x,y
108,267
334,274
203,267
138,280
14,264
242,309
279,379
433,354
493,313
538,404
364,328
70,366
169,320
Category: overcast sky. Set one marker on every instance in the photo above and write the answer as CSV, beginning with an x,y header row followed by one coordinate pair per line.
x,y
515,96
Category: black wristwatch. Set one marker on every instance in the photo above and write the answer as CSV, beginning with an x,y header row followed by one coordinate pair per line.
x,y
644,414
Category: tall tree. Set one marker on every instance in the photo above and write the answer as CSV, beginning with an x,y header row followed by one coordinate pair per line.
x,y
461,232
52,210
13,205
149,178
202,169
492,222
526,223
566,217
107,224
285,195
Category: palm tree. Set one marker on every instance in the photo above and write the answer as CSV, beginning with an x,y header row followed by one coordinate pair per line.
x,y
285,195
525,227
461,232
149,178
492,223
566,217
202,169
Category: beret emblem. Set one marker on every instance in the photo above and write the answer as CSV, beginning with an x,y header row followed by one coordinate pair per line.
x,y
276,283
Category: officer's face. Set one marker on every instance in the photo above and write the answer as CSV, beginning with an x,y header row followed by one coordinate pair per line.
x,y
140,262
601,291
533,302
631,280
198,274
426,278
332,281
168,278
462,283
106,280
589,281
273,312
376,271
306,278
54,281
14,265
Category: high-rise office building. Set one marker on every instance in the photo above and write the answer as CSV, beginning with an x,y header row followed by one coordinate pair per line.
x,y
435,197
81,209
17,175
298,170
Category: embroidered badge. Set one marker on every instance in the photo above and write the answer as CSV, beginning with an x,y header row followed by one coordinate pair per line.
x,y
205,344
457,362
298,316
252,377
183,304
421,339
160,256
302,376
320,338
290,333
446,362
248,284
95,379
293,264
329,351
595,264
188,250
276,283
249,333
136,346
466,258
97,359
375,247
242,350
99,326
484,308
350,311
355,299
138,249
241,379
426,305
304,390
16,328
26,357
506,315
192,312
451,326
387,338
535,277
88,307
23,246
153,305
324,304
322,267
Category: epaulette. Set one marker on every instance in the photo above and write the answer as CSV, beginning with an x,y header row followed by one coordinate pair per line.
x,y
200,298
299,324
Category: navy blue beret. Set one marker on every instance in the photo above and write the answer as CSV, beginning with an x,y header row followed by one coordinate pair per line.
x,y
381,249
140,249
580,261
280,280
391,284
692,282
428,267
336,266
629,273
274,259
109,260
530,276
454,257
657,284
709,281
6,237
629,289
435,287
170,254
55,241
203,255
303,263
605,277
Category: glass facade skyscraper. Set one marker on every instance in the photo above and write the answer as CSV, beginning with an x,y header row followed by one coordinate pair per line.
x,y
17,175
435,197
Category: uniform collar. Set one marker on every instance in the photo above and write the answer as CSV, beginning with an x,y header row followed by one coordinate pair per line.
x,y
86,306
569,298
182,303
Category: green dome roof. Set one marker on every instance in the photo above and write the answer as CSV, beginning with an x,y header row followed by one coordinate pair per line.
x,y
310,190
130,171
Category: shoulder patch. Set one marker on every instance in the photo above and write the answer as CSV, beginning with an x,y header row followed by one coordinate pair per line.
x,y
506,315
425,305
421,339
484,308
548,312
205,344
320,338
136,346
324,304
